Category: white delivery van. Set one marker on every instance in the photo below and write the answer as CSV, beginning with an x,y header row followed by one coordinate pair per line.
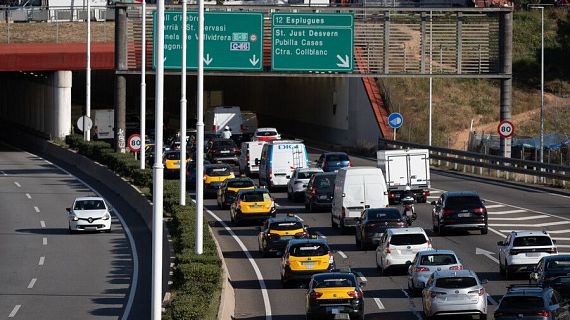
x,y
356,189
250,156
217,118
405,167
278,160
105,122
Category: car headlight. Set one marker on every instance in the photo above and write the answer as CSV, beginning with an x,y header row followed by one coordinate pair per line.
x,y
107,216
74,218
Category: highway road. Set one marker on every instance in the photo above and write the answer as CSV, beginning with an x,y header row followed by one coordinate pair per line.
x,y
256,280
45,272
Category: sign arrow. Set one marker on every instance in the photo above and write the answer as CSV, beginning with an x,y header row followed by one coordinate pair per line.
x,y
486,253
253,60
208,60
344,63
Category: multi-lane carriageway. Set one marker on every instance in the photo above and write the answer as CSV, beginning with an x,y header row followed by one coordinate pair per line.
x,y
256,280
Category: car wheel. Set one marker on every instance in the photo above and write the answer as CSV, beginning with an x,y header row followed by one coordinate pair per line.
x,y
363,245
311,207
482,317
70,231
441,230
485,230
333,224
427,317
501,269
220,206
108,230
289,195
309,317
508,273
343,229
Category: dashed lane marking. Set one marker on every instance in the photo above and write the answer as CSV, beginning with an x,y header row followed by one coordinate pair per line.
x,y
379,303
44,241
507,212
42,260
520,218
14,311
32,283
28,196
538,225
17,184
492,206
320,234
43,224
342,254
36,209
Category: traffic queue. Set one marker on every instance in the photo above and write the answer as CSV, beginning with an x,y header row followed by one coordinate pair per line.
x,y
359,200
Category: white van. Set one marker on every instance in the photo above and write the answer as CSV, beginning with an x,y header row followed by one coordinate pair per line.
x,y
278,160
250,156
356,189
217,118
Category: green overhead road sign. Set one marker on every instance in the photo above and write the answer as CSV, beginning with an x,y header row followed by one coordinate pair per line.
x,y
232,40
312,42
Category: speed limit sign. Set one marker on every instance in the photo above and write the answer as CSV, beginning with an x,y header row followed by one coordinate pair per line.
x,y
506,129
134,142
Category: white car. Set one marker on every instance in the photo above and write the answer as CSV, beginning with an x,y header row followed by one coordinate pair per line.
x,y
266,134
398,247
298,183
89,214
521,251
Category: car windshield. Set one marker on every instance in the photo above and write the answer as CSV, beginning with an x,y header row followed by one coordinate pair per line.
x,y
521,302
455,282
464,202
437,259
408,239
334,281
89,205
266,133
240,184
532,241
305,174
337,157
309,250
284,226
254,196
224,144
388,214
175,156
218,171
558,266
324,183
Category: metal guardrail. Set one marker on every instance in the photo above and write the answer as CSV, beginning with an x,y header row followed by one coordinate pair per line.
x,y
467,161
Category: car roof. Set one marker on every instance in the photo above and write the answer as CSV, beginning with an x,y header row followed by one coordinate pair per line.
x,y
406,230
284,141
433,251
324,174
283,219
217,165
334,274
525,290
293,242
557,257
454,273
253,190
319,170
462,194
526,233
334,153
88,198
266,129
383,209
240,179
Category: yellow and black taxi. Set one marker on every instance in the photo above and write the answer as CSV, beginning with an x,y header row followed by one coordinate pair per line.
x,y
214,176
253,204
227,192
335,293
305,257
276,232
171,162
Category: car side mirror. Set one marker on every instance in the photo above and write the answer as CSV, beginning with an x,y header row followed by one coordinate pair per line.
x,y
433,203
344,195
484,281
363,284
357,219
307,226
554,241
68,209
408,263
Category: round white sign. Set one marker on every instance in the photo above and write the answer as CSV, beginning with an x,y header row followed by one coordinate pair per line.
x,y
134,142
506,129
86,120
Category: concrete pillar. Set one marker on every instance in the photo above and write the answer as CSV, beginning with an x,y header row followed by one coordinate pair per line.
x,y
121,64
506,45
61,104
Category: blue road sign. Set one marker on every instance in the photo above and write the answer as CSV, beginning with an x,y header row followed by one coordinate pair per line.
x,y
395,120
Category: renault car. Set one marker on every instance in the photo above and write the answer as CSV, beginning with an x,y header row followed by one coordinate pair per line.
x,y
253,204
275,233
89,214
335,293
214,176
305,257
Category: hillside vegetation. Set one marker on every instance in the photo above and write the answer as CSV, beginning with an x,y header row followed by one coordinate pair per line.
x,y
457,102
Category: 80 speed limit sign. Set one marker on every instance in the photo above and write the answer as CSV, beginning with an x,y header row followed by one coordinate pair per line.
x,y
134,142
506,129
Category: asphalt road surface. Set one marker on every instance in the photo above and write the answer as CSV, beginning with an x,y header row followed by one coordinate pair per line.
x,y
258,291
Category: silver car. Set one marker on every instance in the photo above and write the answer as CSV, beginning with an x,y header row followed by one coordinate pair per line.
x,y
454,293
427,262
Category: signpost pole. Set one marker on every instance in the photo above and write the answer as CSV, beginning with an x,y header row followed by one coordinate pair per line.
x,y
157,185
183,110
394,134
200,133
143,85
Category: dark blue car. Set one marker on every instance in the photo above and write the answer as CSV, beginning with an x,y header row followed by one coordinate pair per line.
x,y
333,161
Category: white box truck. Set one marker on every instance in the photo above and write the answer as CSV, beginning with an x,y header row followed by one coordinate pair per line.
x,y
405,167
217,118
105,122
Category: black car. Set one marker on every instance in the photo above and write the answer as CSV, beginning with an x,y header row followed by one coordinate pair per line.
x,y
320,191
227,192
459,210
553,271
276,232
333,161
223,150
532,302
335,293
374,222
191,173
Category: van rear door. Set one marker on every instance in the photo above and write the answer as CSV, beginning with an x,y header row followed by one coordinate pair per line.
x,y
397,170
419,170
374,191
355,197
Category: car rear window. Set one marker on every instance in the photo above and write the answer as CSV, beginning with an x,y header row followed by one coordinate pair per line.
x,y
305,174
254,196
437,259
408,239
467,202
89,205
337,157
218,171
240,184
455,282
384,215
334,281
224,144
558,266
532,241
284,226
324,183
521,302
266,133
309,250
175,156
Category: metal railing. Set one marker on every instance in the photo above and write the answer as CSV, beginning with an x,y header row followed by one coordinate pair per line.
x,y
499,167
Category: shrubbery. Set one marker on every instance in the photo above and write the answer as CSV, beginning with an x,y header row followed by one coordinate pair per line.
x,y
197,278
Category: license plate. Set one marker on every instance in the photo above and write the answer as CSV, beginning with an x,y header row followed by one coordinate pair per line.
x,y
334,310
225,151
533,254
286,237
464,215
322,197
309,265
255,206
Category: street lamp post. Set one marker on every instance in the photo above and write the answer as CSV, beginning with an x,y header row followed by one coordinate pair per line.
x,y
87,133
183,103
541,81
143,86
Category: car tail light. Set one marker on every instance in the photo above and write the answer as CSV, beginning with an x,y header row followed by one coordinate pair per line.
x,y
421,269
286,258
331,258
480,292
434,294
447,212
270,171
552,250
236,149
314,295
429,244
391,195
242,128
350,163
456,268
544,313
479,210
388,249
355,294
214,127
303,234
425,193
313,190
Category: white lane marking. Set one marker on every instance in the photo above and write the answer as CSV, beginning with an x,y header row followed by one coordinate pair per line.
x,y
14,311
491,300
135,279
277,204
17,184
562,246
538,225
342,254
561,239
36,209
43,224
432,197
520,218
320,234
558,195
44,241
264,292
28,196
498,233
488,254
379,303
361,277
492,206
32,283
549,231
42,260
435,191
506,212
